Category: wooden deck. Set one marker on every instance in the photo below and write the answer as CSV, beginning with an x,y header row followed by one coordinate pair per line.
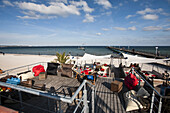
x,y
145,54
106,101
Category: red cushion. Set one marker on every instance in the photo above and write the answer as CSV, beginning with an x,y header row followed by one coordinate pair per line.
x,y
105,64
86,72
101,69
131,81
38,69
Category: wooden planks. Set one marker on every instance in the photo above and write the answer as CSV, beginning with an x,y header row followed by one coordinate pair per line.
x,y
106,101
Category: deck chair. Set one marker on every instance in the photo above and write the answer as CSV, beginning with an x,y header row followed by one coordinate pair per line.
x,y
78,76
52,68
67,70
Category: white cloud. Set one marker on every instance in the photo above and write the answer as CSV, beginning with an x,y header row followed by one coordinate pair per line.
x,y
98,34
115,7
84,5
149,10
64,1
129,16
107,13
150,17
133,28
132,22
168,1
54,9
120,28
105,3
59,9
135,0
36,17
152,28
167,29
105,29
120,4
88,18
8,3
166,14
33,0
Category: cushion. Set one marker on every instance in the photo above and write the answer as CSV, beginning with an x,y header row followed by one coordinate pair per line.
x,y
131,81
90,77
131,101
38,69
142,92
26,76
52,68
66,72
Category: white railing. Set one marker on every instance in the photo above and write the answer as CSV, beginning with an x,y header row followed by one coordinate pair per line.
x,y
154,98
56,97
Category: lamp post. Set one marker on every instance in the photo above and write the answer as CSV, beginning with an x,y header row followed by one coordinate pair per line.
x,y
111,62
156,51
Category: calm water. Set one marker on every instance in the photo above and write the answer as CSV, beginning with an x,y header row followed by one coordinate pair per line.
x,y
96,50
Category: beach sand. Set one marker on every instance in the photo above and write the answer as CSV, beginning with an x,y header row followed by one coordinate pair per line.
x,y
9,61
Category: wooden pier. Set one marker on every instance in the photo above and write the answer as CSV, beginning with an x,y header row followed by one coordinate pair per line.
x,y
148,55
106,101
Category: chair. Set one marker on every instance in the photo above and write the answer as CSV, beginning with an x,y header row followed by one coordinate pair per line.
x,y
52,68
91,78
67,70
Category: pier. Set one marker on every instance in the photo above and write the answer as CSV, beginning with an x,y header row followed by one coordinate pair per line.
x,y
145,54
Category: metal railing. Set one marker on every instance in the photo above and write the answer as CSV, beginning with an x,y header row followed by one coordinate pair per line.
x,y
154,98
7,72
57,97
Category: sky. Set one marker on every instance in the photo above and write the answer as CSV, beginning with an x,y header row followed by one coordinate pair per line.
x,y
85,22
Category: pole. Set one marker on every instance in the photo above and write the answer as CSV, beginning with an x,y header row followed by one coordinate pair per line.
x,y
160,105
153,96
20,98
156,53
85,100
93,101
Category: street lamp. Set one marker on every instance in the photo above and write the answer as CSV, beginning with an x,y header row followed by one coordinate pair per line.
x,y
111,62
156,50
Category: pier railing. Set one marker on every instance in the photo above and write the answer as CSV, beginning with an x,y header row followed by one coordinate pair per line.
x,y
157,98
56,97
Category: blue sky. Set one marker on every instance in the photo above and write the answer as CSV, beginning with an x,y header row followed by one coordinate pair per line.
x,y
85,22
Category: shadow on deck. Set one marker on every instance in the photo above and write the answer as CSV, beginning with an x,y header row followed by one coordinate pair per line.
x,y
105,102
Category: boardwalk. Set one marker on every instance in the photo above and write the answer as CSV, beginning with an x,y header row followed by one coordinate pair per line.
x,y
106,101
149,55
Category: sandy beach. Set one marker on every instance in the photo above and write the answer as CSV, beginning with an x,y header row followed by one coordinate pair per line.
x,y
9,61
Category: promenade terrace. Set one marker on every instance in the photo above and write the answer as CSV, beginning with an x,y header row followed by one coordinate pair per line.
x,y
106,101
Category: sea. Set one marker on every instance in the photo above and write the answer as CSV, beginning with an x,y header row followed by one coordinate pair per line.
x,y
76,51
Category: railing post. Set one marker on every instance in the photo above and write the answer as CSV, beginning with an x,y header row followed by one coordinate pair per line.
x,y
86,110
20,99
139,80
153,96
133,70
48,102
60,111
93,101
160,105
7,73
